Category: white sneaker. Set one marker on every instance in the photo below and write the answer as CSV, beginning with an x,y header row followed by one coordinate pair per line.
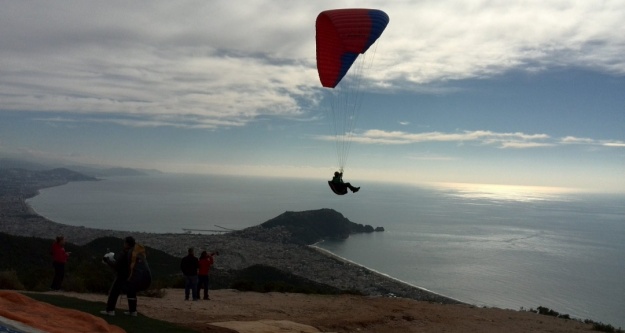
x,y
132,314
107,313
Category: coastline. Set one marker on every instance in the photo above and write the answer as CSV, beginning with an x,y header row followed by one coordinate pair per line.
x,y
31,210
337,257
20,219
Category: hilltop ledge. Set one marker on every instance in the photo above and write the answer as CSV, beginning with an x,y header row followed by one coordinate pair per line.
x,y
305,228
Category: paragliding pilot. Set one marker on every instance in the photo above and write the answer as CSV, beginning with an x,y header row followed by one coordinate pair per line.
x,y
339,187
133,275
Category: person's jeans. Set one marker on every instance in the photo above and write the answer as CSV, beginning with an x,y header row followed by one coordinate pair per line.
x,y
119,286
202,283
116,289
190,285
59,273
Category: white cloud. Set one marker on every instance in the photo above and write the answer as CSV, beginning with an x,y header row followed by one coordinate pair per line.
x,y
619,144
460,39
515,140
223,63
503,140
593,142
523,145
430,157
575,140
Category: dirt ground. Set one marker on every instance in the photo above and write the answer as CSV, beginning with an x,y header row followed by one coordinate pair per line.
x,y
234,311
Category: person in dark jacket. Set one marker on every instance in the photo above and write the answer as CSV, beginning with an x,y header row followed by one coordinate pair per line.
x,y
121,265
337,181
189,266
59,259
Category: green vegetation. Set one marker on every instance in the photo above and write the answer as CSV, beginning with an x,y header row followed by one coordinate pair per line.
x,y
137,324
597,326
9,280
601,327
30,261
548,312
262,278
26,264
307,227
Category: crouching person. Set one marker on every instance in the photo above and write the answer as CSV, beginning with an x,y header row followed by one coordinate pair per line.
x,y
133,275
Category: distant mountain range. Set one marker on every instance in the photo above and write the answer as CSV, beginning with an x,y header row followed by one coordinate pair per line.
x,y
93,171
26,183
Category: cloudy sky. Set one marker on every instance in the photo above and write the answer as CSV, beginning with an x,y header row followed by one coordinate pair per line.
x,y
503,92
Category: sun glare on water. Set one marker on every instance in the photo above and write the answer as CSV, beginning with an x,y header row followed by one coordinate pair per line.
x,y
504,192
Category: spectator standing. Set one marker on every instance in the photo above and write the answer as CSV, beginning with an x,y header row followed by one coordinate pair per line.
x,y
189,266
59,259
205,262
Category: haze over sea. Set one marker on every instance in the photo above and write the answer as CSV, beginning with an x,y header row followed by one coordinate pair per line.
x,y
500,246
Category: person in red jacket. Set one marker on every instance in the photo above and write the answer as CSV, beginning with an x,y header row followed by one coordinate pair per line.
x,y
59,259
205,263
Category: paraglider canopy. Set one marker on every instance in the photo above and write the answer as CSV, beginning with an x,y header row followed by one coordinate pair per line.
x,y
343,37
343,34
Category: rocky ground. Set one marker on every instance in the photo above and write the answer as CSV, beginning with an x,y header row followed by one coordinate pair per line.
x,y
234,311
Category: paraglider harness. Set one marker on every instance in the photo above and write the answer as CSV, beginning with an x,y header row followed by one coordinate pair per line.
x,y
338,189
336,184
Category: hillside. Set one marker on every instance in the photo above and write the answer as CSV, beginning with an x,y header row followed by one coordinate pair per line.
x,y
28,258
26,183
89,170
305,228
230,311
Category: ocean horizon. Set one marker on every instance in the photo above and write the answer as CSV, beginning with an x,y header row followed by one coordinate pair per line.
x,y
498,246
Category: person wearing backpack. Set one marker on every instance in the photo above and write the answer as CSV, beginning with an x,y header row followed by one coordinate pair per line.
x,y
133,275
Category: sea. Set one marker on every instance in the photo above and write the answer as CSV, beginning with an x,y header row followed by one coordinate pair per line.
x,y
499,246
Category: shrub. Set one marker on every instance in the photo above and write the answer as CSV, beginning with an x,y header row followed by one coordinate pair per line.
x,y
549,312
74,283
597,326
32,277
9,280
601,327
42,285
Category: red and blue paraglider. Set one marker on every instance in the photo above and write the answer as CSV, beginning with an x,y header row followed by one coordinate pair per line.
x,y
342,35
343,38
